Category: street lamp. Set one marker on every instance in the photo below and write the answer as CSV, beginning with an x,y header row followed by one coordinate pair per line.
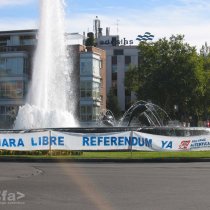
x,y
176,109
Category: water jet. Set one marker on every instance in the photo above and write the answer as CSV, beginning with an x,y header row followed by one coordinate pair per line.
x,y
50,100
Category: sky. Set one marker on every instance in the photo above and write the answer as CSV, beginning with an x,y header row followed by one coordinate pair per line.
x,y
128,18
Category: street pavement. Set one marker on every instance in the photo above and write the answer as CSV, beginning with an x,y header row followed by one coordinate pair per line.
x,y
104,186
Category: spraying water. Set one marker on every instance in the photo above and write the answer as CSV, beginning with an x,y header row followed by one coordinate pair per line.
x,y
49,102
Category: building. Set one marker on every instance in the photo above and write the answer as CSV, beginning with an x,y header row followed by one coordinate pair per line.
x,y
120,55
16,53
118,60
96,27
16,57
89,64
92,84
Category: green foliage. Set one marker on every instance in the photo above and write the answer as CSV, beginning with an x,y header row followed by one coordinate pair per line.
x,y
205,56
170,72
112,103
79,155
90,41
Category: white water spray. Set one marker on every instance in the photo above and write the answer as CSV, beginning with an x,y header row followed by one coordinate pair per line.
x,y
48,102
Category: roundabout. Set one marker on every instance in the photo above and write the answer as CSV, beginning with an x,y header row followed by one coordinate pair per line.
x,y
106,186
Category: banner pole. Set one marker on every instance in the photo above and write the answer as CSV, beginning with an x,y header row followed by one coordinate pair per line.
x,y
131,147
50,149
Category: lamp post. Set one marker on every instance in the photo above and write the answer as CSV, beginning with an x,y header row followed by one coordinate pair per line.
x,y
176,109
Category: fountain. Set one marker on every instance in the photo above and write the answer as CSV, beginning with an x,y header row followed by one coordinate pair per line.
x,y
50,105
50,101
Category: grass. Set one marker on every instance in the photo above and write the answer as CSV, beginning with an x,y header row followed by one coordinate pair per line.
x,y
146,155
110,155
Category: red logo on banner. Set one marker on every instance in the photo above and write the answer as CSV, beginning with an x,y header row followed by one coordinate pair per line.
x,y
184,144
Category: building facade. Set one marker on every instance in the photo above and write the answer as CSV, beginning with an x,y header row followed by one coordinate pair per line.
x,y
119,60
16,59
16,53
92,84
121,54
89,73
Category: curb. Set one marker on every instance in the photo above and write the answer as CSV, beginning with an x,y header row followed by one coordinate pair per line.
x,y
104,160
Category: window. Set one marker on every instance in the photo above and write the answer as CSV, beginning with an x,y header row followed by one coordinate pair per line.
x,y
86,67
114,83
114,76
86,113
89,89
27,40
96,90
114,60
96,112
118,52
127,62
114,69
89,112
3,66
8,112
127,99
114,64
2,61
12,66
2,110
85,89
96,67
25,65
3,40
11,90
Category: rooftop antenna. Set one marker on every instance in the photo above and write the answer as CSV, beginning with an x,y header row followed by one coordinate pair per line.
x,y
117,24
96,26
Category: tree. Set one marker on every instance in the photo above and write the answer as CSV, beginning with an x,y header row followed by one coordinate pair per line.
x,y
205,55
205,50
170,72
90,41
112,103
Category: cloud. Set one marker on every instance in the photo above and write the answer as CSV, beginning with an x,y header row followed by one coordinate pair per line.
x,y
17,24
189,17
4,3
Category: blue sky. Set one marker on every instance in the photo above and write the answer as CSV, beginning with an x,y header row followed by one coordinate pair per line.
x,y
161,17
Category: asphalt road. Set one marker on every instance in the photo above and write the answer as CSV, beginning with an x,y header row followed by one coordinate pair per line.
x,y
105,186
